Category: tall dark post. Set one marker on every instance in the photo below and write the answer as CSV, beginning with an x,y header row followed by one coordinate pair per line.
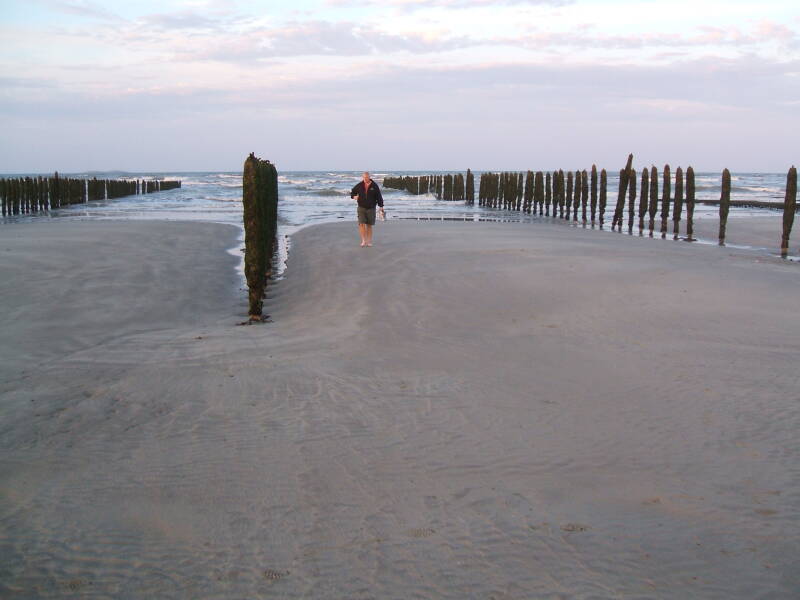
x,y
643,199
665,199
620,205
529,203
584,195
724,205
3,196
576,203
562,198
548,194
631,199
470,187
789,206
678,208
538,191
603,195
520,190
594,194
653,199
569,196
689,204
259,200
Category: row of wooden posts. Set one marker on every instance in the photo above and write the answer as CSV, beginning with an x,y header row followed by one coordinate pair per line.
x,y
25,195
444,187
260,204
586,194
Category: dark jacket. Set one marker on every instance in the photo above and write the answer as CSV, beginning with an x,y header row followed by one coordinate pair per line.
x,y
367,198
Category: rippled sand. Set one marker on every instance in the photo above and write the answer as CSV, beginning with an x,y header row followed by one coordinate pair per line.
x,y
465,410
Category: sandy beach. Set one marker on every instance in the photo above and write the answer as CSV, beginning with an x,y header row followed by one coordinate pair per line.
x,y
465,410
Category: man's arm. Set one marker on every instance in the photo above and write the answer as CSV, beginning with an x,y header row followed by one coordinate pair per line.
x,y
380,196
354,191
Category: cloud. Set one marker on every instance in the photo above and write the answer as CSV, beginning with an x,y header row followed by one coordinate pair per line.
x,y
412,5
82,8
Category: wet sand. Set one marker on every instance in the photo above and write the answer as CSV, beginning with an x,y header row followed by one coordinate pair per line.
x,y
465,410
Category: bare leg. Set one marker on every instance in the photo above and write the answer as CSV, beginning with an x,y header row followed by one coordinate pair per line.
x,y
369,235
362,231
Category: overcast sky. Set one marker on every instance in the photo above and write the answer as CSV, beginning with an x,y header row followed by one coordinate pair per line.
x,y
399,84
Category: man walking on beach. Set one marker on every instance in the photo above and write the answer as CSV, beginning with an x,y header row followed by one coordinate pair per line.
x,y
369,195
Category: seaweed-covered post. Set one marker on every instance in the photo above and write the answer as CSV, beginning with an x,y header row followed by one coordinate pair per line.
x,y
260,203
3,196
569,196
594,194
529,202
724,205
577,200
603,195
538,190
665,195
631,199
619,206
643,199
548,194
689,204
653,198
678,207
470,187
584,195
789,206
520,190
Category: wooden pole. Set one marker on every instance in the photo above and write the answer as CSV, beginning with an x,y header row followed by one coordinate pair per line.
x,y
789,206
548,194
569,196
631,198
603,195
665,198
653,198
678,208
689,204
643,199
724,205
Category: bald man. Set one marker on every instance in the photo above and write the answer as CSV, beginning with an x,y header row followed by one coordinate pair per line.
x,y
368,195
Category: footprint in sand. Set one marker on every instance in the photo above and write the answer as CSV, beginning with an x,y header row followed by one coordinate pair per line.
x,y
574,527
421,532
273,575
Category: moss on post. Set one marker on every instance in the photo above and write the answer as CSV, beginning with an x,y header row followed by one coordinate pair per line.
x,y
789,206
724,205
678,207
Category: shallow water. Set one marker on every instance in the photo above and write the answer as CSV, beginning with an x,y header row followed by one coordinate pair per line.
x,y
311,197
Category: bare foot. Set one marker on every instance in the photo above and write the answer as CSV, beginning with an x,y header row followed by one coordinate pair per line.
x,y
363,244
369,244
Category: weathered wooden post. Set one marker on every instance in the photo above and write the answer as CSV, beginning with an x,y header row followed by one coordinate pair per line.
x,y
653,209
631,199
789,206
665,199
576,203
548,194
594,194
603,195
259,200
470,187
643,199
562,193
3,196
569,196
584,195
689,204
520,190
724,205
678,208
529,201
538,191
623,188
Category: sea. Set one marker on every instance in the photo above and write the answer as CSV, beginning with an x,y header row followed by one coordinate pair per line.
x,y
311,197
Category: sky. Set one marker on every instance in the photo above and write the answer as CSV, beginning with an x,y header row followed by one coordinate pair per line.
x,y
398,84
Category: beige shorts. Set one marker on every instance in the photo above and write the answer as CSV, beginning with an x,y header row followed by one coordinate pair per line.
x,y
366,216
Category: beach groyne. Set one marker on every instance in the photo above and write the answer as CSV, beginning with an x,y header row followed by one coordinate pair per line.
x,y
580,196
260,213
35,194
